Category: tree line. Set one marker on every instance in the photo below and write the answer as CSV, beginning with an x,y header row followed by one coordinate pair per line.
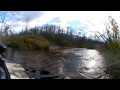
x,y
61,36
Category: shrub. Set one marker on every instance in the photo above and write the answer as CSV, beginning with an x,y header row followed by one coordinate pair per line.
x,y
28,42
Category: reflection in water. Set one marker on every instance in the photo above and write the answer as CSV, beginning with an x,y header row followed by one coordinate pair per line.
x,y
92,63
61,68
88,62
71,62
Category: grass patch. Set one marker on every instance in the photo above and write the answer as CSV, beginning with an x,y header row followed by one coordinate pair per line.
x,y
112,49
27,42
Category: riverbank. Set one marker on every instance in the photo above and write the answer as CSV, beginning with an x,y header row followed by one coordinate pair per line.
x,y
27,42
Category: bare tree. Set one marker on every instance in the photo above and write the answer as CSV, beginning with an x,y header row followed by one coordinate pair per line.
x,y
4,27
26,27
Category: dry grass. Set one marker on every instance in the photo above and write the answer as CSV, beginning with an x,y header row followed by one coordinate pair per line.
x,y
28,42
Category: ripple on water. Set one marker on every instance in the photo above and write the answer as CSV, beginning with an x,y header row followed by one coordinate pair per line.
x,y
72,62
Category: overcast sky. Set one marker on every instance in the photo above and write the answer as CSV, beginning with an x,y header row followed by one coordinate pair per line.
x,y
89,20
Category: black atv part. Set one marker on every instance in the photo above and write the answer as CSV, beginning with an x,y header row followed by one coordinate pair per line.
x,y
42,74
4,70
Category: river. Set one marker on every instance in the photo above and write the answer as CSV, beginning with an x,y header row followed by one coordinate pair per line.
x,y
77,63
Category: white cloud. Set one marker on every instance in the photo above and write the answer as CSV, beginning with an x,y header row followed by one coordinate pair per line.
x,y
31,15
94,20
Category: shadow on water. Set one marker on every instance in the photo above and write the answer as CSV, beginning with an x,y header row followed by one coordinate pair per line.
x,y
75,62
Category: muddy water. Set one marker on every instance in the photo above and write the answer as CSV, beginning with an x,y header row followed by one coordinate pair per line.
x,y
76,63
